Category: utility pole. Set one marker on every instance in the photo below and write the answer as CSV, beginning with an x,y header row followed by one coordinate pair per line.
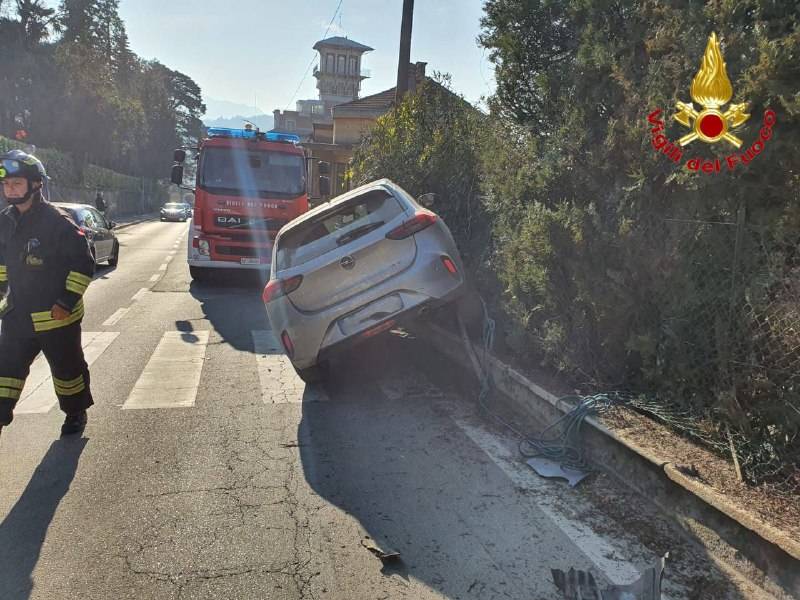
x,y
405,51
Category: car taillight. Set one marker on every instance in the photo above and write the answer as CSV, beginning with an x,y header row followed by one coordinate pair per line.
x,y
280,287
287,344
449,265
420,221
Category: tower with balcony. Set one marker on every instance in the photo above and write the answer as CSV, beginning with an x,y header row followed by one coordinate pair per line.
x,y
339,73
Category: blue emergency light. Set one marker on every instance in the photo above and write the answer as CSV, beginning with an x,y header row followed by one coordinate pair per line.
x,y
252,134
244,134
274,136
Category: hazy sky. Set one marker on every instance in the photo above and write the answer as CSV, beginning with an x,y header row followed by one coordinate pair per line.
x,y
242,50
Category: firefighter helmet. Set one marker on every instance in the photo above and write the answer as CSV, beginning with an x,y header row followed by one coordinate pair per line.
x,y
17,163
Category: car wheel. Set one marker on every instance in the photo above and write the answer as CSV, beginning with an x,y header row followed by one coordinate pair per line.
x,y
199,274
315,373
113,261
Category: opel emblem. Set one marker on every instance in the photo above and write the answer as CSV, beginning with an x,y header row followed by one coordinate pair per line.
x,y
348,262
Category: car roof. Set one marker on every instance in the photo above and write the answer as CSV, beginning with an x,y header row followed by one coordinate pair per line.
x,y
387,184
72,205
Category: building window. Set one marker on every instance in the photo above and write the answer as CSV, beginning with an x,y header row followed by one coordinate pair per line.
x,y
290,125
341,64
353,66
329,66
341,183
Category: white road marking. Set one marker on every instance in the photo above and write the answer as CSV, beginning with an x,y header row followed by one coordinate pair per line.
x,y
279,382
596,549
172,375
39,396
154,278
113,319
140,294
163,267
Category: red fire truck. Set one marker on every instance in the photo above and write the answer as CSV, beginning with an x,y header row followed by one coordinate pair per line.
x,y
248,185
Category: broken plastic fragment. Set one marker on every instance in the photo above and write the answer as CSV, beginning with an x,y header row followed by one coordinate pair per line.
x,y
370,545
549,468
581,585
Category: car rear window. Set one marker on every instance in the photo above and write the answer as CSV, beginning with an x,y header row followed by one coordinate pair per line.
x,y
336,228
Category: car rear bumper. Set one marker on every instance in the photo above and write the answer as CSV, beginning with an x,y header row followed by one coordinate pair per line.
x,y
400,319
319,335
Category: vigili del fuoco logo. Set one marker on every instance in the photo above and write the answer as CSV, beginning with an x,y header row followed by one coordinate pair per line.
x,y
712,90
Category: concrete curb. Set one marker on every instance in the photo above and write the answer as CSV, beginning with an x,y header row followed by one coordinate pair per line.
x,y
138,220
745,543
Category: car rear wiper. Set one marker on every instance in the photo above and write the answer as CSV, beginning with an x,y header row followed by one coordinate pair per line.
x,y
358,232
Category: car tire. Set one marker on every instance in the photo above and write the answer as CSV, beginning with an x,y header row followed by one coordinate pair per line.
x,y
199,274
113,260
315,373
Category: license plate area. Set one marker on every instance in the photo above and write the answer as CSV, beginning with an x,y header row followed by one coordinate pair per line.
x,y
246,260
371,314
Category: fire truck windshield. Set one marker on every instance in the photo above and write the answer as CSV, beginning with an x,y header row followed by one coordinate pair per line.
x,y
239,171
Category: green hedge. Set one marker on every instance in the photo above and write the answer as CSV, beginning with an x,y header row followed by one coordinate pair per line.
x,y
64,170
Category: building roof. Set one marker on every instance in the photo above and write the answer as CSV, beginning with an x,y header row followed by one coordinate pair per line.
x,y
376,103
342,42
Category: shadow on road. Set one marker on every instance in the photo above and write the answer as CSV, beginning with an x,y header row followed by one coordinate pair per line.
x,y
231,301
413,482
23,531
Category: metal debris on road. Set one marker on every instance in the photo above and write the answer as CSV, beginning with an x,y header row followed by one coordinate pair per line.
x,y
549,468
581,585
384,555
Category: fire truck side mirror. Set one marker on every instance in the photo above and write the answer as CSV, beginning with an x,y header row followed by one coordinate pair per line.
x,y
177,174
324,186
179,156
324,167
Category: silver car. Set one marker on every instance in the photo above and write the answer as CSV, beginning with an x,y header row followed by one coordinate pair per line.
x,y
175,211
355,267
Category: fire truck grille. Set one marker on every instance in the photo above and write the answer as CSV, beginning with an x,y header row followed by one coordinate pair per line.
x,y
248,251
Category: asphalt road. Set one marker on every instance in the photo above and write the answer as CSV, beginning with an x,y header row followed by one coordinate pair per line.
x,y
208,470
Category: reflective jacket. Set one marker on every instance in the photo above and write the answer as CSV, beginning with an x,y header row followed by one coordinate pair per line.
x,y
44,260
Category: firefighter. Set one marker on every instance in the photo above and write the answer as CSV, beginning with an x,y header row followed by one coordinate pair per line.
x,y
45,267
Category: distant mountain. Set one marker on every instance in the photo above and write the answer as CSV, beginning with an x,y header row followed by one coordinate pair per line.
x,y
224,108
263,122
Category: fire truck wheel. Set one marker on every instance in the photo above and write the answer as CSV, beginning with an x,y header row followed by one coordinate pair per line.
x,y
199,274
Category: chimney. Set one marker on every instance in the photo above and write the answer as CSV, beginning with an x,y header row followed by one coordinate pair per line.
x,y
416,75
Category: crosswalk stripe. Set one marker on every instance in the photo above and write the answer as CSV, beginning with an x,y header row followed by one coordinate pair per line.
x,y
279,382
172,375
113,319
39,395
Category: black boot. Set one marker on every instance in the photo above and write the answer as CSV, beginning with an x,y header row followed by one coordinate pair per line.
x,y
74,423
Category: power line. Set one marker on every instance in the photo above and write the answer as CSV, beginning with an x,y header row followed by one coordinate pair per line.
x,y
308,68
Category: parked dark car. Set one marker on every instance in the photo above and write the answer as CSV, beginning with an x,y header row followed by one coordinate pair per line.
x,y
98,230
